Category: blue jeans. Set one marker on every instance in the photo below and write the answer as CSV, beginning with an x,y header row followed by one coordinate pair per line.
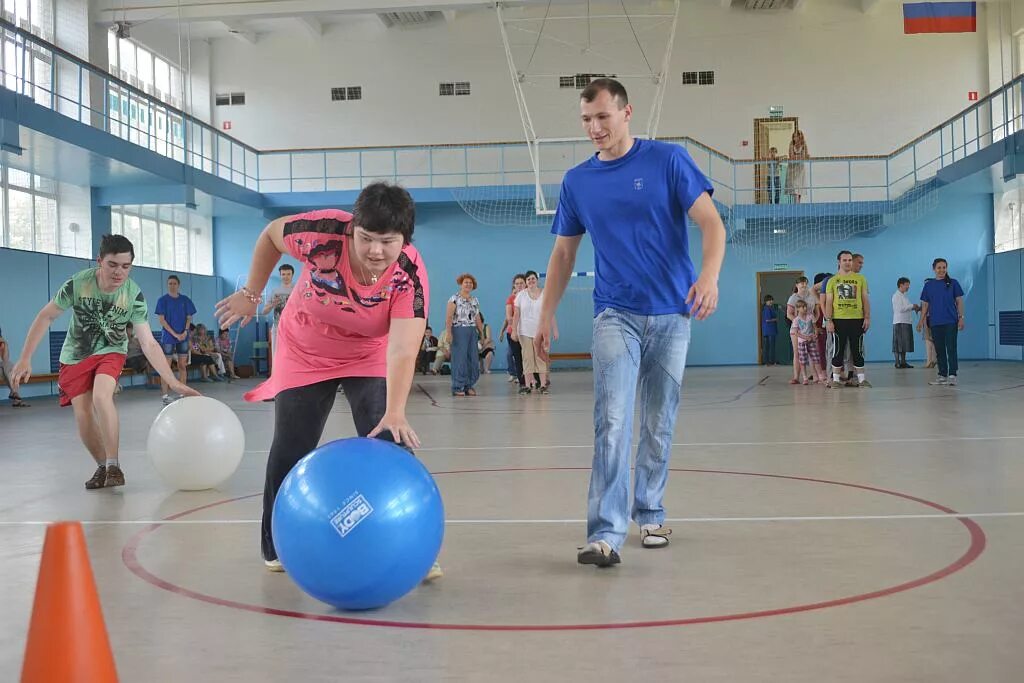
x,y
632,351
773,189
465,358
944,338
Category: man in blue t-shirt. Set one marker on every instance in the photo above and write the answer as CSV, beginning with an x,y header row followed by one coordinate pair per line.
x,y
175,311
633,197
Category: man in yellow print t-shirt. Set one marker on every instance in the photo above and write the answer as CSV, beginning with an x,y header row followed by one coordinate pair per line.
x,y
847,317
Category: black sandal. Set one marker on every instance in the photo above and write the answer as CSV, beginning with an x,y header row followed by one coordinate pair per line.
x,y
18,402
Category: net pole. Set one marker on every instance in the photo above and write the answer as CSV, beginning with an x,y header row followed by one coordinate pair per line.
x,y
524,112
659,97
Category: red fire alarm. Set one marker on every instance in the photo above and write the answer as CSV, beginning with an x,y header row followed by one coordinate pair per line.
x,y
972,95
744,143
227,124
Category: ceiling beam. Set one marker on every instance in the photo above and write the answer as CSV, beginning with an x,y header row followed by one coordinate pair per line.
x,y
240,31
146,10
313,26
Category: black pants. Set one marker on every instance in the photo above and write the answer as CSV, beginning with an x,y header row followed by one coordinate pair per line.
x,y
849,332
517,356
299,418
944,338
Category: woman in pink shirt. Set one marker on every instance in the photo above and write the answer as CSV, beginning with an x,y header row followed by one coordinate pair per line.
x,y
355,318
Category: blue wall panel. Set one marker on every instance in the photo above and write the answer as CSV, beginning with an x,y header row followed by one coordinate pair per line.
x,y
1007,295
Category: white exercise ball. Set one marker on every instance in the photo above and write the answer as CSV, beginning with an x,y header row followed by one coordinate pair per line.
x,y
196,443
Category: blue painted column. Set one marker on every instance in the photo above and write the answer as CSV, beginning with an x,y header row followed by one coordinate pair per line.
x,y
100,220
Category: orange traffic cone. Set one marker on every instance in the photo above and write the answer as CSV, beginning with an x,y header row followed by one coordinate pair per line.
x,y
67,640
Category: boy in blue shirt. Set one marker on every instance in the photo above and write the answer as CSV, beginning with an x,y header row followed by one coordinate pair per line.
x,y
175,311
769,330
633,197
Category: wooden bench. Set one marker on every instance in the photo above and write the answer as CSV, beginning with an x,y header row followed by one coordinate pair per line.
x,y
570,356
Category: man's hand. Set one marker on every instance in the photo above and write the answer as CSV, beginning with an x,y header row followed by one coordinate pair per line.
x,y
703,298
21,373
960,324
830,326
401,431
182,389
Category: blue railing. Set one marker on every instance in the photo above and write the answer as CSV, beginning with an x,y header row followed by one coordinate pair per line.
x,y
59,80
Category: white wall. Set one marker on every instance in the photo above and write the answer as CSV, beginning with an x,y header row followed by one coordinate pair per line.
x,y
857,83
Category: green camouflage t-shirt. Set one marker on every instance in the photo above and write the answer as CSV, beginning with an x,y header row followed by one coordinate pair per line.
x,y
99,320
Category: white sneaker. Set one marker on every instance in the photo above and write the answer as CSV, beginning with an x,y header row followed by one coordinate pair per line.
x,y
273,565
654,536
167,399
939,381
951,381
434,574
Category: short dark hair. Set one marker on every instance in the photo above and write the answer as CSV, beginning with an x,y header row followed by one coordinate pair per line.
x,y
383,208
902,281
529,273
821,276
844,251
608,85
858,256
116,244
768,297
175,278
286,266
802,278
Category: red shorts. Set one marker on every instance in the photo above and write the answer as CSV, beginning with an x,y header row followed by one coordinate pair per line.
x,y
75,380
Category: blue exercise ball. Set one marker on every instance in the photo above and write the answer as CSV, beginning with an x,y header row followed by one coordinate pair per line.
x,y
358,523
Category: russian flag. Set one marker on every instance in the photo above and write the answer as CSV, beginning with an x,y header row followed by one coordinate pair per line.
x,y
940,17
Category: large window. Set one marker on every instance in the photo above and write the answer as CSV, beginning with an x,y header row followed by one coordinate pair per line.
x,y
31,216
133,117
28,71
1009,232
167,237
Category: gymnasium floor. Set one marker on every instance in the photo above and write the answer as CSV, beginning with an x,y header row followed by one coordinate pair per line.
x,y
815,540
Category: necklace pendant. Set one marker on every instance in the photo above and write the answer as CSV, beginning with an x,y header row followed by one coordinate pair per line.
x,y
373,278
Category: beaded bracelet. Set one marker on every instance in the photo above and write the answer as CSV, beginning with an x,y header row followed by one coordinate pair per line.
x,y
252,296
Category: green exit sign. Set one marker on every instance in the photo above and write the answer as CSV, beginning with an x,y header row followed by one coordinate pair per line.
x,y
775,111
781,266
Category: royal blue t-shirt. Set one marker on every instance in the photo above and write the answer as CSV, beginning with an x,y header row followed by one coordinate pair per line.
x,y
769,321
635,211
175,311
941,297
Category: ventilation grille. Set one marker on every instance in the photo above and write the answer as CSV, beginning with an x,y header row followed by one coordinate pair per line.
x,y
580,81
348,92
452,89
698,78
766,4
227,99
408,18
1011,328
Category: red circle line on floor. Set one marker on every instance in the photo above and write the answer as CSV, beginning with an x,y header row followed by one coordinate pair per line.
x,y
129,555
